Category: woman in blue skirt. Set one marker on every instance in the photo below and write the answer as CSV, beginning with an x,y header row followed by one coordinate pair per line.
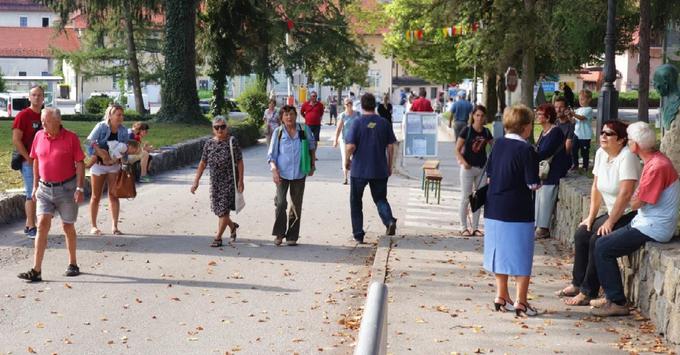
x,y
509,211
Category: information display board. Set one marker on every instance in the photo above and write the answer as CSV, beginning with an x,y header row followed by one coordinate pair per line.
x,y
420,134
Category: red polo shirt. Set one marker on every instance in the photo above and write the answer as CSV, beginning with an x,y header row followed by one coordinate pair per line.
x,y
421,104
57,156
312,113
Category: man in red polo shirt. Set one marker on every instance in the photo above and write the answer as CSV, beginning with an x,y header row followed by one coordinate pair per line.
x,y
421,104
24,127
58,176
312,111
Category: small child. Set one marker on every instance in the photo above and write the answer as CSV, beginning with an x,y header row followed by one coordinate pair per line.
x,y
583,130
116,150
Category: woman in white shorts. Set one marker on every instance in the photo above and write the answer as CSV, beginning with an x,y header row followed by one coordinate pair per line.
x,y
111,128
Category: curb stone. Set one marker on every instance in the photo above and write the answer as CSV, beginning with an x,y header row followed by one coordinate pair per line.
x,y
382,255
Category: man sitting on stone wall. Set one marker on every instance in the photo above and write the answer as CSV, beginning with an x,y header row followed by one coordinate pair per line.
x,y
657,200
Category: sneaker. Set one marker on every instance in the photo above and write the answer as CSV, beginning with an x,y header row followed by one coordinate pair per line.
x,y
145,179
610,309
72,270
291,243
392,228
32,232
30,276
26,230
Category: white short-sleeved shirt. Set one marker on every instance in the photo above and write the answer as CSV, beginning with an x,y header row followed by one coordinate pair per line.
x,y
582,129
625,166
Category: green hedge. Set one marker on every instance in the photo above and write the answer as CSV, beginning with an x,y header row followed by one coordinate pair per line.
x,y
97,104
628,99
87,117
247,132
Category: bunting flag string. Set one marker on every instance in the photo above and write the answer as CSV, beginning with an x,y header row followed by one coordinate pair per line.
x,y
453,31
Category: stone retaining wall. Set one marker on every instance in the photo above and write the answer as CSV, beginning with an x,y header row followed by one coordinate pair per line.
x,y
651,275
178,155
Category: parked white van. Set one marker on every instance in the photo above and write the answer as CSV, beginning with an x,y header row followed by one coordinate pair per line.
x,y
13,102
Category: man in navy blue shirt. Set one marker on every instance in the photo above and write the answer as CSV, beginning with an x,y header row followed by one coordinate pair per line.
x,y
461,110
370,145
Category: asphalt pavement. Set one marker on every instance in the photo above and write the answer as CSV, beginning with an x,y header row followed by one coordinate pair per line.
x,y
161,289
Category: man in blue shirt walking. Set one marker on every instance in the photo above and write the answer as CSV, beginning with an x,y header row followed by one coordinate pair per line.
x,y
370,145
461,110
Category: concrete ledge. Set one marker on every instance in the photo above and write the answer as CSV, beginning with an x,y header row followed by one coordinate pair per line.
x,y
651,275
382,254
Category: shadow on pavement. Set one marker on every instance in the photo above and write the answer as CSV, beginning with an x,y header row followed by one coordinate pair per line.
x,y
188,283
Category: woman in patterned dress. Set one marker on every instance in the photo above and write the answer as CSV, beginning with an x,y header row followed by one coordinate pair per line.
x,y
217,156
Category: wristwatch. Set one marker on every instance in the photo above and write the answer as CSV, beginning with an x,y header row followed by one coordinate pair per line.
x,y
80,189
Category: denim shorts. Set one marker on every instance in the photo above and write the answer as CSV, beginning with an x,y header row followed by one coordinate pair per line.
x,y
27,175
58,199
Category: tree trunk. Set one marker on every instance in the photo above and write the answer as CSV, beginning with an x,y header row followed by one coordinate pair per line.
x,y
643,85
219,85
490,94
500,85
133,68
528,59
178,91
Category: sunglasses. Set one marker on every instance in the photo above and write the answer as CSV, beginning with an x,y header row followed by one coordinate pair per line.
x,y
220,127
608,133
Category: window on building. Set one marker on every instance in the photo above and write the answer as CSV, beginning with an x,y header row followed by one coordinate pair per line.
x,y
23,21
45,73
373,78
45,22
433,93
22,73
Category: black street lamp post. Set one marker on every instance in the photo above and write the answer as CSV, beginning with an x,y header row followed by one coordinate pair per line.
x,y
607,104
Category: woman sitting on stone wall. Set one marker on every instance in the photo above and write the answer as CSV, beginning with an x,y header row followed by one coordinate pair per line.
x,y
616,171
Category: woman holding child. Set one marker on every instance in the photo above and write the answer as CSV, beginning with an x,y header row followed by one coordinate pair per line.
x,y
110,129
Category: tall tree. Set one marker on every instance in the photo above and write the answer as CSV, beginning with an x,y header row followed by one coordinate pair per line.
x,y
112,22
178,91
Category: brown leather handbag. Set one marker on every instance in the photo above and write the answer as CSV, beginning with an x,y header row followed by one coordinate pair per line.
x,y
125,183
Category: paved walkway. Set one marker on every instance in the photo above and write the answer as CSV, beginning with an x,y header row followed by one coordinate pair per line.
x,y
440,298
161,289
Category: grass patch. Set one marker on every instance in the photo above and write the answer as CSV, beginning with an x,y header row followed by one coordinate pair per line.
x,y
160,134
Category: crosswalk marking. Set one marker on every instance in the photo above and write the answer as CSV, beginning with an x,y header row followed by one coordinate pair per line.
x,y
433,216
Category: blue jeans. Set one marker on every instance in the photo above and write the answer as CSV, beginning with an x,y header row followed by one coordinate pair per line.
x,y
27,175
619,243
379,194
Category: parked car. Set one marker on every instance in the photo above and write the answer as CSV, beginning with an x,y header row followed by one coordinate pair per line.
x,y
234,112
13,102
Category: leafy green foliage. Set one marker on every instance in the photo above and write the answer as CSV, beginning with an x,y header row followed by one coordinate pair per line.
x,y
562,34
247,132
253,101
96,105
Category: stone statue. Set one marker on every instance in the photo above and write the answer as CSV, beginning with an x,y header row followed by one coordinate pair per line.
x,y
666,83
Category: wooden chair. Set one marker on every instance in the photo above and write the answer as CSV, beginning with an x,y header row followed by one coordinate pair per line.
x,y
429,164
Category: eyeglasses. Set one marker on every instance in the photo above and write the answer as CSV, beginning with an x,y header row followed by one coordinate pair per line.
x,y
608,133
220,127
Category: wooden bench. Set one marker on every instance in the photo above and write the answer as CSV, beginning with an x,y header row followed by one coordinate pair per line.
x,y
433,181
429,164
